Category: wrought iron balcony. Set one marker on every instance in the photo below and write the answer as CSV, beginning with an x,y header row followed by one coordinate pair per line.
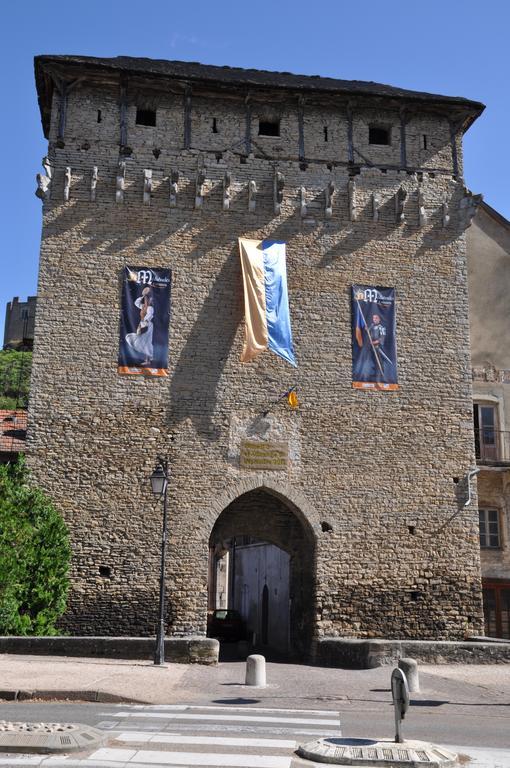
x,y
492,446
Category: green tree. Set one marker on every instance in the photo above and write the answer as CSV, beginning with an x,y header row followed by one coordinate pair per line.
x,y
34,556
15,368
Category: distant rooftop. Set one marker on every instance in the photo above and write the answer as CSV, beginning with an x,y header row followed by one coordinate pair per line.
x,y
13,430
235,76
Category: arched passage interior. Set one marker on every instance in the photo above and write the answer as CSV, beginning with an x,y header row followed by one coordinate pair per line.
x,y
262,563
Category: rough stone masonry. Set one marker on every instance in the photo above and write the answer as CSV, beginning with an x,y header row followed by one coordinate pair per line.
x,y
371,504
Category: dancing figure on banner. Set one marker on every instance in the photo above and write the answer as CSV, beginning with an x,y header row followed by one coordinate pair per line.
x,y
141,341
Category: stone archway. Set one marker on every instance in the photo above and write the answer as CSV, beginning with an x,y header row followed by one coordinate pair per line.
x,y
263,548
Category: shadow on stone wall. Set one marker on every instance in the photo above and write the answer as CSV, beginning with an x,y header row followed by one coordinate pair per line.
x,y
198,370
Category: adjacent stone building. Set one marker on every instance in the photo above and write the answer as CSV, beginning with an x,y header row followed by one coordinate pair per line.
x,y
19,323
166,164
488,248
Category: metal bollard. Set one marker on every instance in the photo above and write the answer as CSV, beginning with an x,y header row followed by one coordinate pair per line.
x,y
256,670
400,696
410,668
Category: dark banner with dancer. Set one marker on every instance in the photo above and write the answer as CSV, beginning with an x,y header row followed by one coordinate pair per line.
x,y
374,350
144,321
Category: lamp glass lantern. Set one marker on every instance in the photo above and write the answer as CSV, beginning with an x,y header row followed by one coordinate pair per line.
x,y
159,481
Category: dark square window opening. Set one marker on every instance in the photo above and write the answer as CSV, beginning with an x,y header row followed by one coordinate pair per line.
x,y
379,135
145,116
269,127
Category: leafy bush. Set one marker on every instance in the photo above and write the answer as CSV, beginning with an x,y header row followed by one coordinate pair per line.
x,y
14,378
34,556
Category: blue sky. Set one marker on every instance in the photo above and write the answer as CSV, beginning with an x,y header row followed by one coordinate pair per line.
x,y
455,47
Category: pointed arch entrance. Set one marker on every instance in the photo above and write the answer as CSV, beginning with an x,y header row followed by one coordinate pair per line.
x,y
262,564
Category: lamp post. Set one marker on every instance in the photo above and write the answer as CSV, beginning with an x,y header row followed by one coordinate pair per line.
x,y
159,483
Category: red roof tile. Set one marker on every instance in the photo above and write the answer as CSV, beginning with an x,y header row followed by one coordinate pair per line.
x,y
13,429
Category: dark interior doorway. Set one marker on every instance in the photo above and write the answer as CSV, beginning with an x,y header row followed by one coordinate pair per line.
x,y
262,577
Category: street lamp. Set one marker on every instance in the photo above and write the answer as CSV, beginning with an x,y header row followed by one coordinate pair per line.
x,y
159,483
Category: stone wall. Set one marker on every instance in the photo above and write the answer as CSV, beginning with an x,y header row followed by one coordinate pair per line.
x,y
369,654
398,555
19,322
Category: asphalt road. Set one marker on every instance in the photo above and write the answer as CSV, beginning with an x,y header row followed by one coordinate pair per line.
x,y
483,724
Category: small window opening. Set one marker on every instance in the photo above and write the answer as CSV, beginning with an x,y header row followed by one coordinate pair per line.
x,y
243,159
325,133
378,135
146,117
411,529
415,595
269,128
105,571
326,527
424,139
214,125
99,116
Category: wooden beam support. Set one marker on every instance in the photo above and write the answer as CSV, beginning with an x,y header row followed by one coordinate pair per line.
x,y
247,125
123,105
62,109
301,128
187,117
453,141
403,145
350,142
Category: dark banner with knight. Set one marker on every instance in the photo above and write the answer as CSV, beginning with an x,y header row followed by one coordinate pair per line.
x,y
374,350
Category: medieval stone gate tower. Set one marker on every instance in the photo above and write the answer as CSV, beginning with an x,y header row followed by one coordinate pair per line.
x,y
166,164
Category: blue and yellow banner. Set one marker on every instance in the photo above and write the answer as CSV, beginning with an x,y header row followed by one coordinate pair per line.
x,y
266,301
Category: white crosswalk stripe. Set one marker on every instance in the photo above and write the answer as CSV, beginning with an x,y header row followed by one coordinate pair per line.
x,y
141,737
185,736
204,736
231,718
221,760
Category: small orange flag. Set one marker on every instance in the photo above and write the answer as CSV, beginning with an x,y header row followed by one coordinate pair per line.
x,y
292,399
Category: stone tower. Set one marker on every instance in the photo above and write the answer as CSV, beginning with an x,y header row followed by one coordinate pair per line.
x,y
165,165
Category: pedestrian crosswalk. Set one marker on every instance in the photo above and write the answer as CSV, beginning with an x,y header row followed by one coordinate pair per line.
x,y
158,736
203,736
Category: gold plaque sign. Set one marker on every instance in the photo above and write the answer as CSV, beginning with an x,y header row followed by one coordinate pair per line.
x,y
264,455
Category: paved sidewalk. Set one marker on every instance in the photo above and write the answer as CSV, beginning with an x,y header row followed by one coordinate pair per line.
x,y
288,684
457,704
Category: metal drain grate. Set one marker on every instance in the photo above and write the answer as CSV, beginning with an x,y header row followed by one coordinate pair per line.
x,y
65,740
377,753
